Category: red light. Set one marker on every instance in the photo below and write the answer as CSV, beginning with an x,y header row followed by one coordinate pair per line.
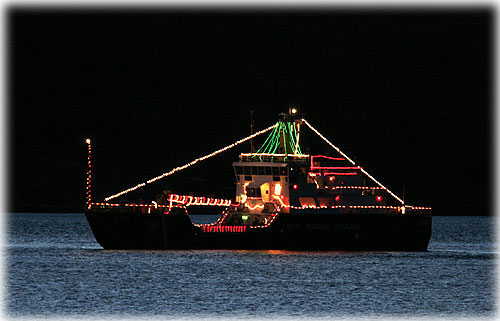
x,y
331,178
338,173
336,167
337,198
379,198
295,186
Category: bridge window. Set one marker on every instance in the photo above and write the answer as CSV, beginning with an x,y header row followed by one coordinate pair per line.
x,y
253,192
239,170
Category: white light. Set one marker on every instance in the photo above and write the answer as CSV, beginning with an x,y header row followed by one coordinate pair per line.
x,y
277,189
87,141
294,110
269,154
190,164
351,161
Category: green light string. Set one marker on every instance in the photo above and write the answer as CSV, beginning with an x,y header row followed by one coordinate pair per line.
x,y
284,137
267,139
296,134
285,130
277,141
292,139
272,143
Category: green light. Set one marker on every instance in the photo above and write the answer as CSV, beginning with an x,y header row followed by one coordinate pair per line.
x,y
285,131
244,217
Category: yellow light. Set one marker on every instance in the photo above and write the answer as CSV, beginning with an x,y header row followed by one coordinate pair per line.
x,y
87,141
277,189
279,199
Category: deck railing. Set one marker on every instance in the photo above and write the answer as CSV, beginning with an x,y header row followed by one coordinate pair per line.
x,y
274,158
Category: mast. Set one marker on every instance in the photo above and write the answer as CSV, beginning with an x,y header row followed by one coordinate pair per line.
x,y
252,123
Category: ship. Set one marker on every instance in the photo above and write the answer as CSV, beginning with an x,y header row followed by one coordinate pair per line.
x,y
285,199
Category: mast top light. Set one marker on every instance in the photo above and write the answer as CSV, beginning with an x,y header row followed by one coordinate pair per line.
x,y
87,141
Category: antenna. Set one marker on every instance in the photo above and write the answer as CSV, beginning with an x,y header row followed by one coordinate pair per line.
x,y
252,123
404,184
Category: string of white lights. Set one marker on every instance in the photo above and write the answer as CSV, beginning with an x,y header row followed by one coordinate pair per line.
x,y
351,161
189,164
89,173
276,155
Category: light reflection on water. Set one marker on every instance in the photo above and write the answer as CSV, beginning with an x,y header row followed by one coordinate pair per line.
x,y
56,267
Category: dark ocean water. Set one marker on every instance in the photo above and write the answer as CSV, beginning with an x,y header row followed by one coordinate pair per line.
x,y
55,268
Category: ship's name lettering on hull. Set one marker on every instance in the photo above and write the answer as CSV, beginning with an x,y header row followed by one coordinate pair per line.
x,y
317,226
310,226
346,226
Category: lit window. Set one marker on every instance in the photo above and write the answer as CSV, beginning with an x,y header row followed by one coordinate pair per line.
x,y
277,189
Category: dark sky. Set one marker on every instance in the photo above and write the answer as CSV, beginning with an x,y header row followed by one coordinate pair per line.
x,y
408,93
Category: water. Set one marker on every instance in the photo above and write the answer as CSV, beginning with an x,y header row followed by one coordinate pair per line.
x,y
55,268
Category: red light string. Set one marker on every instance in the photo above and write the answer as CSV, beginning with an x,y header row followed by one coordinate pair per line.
x,y
286,206
196,200
339,173
218,222
351,161
356,206
327,157
355,187
134,205
190,164
335,167
224,228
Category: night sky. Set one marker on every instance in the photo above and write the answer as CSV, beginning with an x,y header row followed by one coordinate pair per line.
x,y
407,93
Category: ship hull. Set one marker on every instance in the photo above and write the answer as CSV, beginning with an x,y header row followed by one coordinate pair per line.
x,y
304,232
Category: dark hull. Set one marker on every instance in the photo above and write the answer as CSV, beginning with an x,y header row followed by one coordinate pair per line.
x,y
324,232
